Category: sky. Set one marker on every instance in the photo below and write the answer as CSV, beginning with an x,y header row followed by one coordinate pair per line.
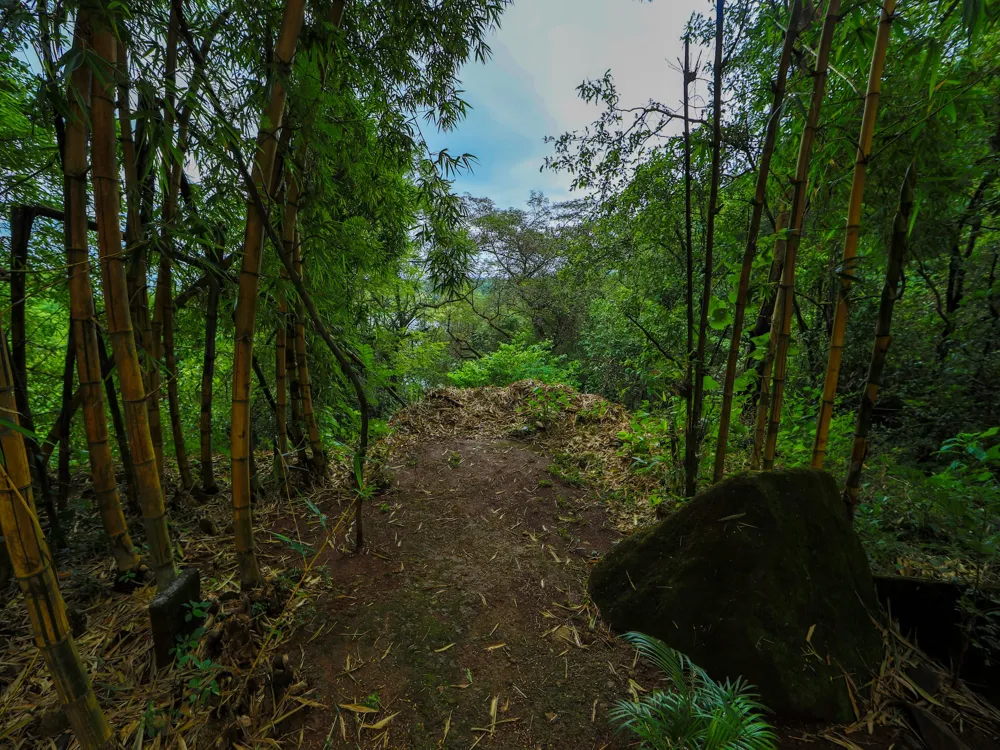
x,y
527,90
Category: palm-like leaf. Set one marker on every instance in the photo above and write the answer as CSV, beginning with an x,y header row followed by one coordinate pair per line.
x,y
695,712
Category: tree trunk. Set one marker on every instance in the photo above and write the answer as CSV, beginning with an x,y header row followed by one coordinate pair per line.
x,y
246,304
108,203
713,209
786,288
33,566
750,252
848,263
883,337
83,319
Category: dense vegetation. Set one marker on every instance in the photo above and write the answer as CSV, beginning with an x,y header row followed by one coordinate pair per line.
x,y
264,254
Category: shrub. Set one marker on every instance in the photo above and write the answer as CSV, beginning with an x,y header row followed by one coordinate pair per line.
x,y
513,362
694,712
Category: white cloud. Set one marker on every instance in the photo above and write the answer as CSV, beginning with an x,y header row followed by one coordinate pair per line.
x,y
543,51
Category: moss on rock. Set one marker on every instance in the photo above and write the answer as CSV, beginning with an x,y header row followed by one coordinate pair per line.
x,y
761,576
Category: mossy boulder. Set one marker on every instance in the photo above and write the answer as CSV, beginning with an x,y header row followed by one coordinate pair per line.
x,y
762,577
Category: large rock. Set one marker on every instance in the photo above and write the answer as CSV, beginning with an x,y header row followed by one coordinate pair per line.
x,y
760,576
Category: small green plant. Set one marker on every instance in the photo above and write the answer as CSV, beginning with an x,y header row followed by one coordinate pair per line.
x,y
306,550
154,721
969,498
653,444
372,701
544,405
569,469
384,508
454,459
594,413
516,361
694,712
196,611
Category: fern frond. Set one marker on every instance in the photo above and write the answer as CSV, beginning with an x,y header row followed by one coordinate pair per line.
x,y
695,712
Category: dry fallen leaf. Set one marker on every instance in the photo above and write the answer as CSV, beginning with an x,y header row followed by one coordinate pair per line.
x,y
381,724
358,709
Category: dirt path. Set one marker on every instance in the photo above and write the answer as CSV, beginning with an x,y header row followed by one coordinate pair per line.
x,y
466,621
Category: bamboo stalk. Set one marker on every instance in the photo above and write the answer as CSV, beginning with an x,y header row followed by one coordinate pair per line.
x,y
690,439
848,263
83,319
701,366
207,384
760,194
117,420
800,184
883,337
32,565
173,167
764,386
21,221
66,415
137,250
246,303
315,443
281,356
295,395
107,201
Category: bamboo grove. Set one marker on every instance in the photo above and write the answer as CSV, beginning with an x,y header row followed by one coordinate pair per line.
x,y
229,238
786,172
148,152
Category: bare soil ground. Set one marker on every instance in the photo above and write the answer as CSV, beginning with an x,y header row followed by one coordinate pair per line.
x,y
463,623
467,619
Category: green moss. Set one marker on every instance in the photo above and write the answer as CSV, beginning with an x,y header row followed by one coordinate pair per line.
x,y
738,577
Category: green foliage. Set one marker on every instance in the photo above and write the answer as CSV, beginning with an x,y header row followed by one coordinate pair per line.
x,y
969,493
544,404
694,712
652,442
513,362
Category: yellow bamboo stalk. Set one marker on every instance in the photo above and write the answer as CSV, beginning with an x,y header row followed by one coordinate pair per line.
x,y
82,316
800,184
137,283
32,564
847,264
246,302
107,201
